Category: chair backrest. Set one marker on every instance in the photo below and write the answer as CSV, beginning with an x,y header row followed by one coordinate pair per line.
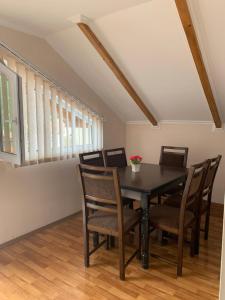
x,y
174,156
115,157
101,191
94,158
193,189
210,175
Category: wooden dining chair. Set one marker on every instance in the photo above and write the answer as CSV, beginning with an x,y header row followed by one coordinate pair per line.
x,y
94,158
117,158
176,220
101,193
175,157
205,204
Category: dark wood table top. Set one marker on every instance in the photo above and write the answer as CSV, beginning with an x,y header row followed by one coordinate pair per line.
x,y
151,178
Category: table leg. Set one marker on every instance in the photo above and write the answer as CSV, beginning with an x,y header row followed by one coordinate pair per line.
x,y
145,231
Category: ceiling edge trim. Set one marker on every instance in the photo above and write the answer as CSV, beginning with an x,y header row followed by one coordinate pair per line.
x,y
171,122
178,122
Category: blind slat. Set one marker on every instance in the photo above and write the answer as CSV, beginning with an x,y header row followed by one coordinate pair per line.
x,y
31,115
61,126
74,140
39,86
47,121
55,126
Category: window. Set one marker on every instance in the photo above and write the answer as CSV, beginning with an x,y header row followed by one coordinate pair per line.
x,y
10,129
55,125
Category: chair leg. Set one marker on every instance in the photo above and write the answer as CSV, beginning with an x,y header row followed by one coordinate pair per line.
x,y
193,237
197,233
180,254
207,224
122,258
162,237
159,199
164,240
112,241
107,245
95,234
86,248
95,239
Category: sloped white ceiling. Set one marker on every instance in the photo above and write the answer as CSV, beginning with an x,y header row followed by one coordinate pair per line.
x,y
148,43
209,19
42,17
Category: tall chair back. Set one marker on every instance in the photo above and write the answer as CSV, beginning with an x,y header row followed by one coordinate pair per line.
x,y
206,197
174,156
211,174
94,158
115,158
193,189
101,192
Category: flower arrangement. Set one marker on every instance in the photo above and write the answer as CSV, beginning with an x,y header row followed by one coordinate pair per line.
x,y
135,159
135,163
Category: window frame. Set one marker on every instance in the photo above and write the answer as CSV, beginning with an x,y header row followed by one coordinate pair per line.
x,y
17,115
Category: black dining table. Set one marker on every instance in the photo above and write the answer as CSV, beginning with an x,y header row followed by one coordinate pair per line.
x,y
150,181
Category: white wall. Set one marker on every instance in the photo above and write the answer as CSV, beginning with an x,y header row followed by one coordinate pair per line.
x,y
203,143
34,196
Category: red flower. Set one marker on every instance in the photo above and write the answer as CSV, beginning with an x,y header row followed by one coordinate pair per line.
x,y
135,159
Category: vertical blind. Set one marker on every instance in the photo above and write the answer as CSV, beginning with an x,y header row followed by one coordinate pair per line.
x,y
56,125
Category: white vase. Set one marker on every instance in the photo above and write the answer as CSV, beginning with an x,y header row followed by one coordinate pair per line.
x,y
135,167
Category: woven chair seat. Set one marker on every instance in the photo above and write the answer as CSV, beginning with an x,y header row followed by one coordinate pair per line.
x,y
109,221
166,218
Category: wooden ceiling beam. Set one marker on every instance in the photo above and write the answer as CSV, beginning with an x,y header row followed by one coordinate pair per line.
x,y
187,23
116,70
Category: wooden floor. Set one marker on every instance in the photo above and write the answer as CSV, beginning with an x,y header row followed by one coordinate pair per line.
x,y
49,265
